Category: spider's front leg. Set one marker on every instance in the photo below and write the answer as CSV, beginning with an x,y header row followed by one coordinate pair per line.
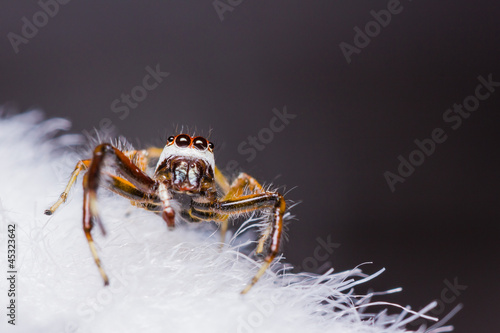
x,y
135,185
141,158
249,203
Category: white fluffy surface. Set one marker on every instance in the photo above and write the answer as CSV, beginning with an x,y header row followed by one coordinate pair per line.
x,y
160,280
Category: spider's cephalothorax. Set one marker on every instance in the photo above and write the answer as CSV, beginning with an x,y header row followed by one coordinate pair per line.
x,y
185,166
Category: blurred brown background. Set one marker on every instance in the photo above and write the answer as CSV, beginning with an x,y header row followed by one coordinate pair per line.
x,y
353,119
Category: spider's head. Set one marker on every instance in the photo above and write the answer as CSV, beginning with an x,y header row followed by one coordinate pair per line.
x,y
187,164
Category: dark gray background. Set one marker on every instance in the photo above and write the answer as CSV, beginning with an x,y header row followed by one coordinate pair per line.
x,y
353,120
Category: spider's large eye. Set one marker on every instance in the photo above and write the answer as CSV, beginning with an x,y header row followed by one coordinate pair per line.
x,y
183,140
170,139
200,143
211,146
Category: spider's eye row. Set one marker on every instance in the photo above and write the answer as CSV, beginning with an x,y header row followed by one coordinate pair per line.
x,y
200,143
183,141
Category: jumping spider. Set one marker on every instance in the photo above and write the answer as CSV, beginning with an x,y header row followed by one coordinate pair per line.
x,y
185,167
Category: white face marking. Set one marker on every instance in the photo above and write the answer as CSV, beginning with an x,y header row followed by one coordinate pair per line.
x,y
173,150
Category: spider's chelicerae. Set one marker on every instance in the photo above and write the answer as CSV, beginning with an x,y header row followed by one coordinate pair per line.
x,y
185,167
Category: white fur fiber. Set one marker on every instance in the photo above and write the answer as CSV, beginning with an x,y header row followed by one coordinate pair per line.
x,y
160,280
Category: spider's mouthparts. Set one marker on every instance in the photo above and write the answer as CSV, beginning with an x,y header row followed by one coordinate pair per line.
x,y
186,176
185,187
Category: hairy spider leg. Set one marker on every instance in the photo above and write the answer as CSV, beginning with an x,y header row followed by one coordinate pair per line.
x,y
124,188
223,183
87,228
143,157
81,165
221,180
136,181
242,182
250,203
124,167
230,191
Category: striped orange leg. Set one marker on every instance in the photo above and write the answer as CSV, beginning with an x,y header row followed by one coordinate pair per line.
x,y
141,158
123,188
132,160
223,183
248,203
136,186
236,189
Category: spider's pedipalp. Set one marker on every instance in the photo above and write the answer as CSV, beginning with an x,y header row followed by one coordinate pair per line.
x,y
168,213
